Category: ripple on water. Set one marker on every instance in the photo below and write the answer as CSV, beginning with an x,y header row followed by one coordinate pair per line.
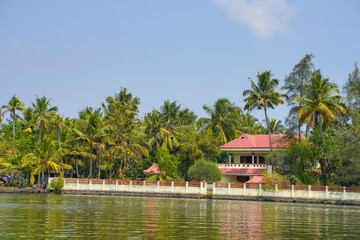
x,y
104,217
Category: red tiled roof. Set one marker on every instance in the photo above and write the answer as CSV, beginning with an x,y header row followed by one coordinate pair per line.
x,y
241,171
153,169
259,141
257,179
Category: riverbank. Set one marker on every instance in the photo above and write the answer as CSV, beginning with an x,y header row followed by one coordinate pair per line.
x,y
183,195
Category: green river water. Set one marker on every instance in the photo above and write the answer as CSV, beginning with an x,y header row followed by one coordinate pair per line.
x,y
41,216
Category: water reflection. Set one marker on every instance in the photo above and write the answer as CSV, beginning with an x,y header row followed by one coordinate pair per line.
x,y
33,216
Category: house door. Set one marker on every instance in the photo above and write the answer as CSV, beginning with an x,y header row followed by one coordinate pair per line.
x,y
242,179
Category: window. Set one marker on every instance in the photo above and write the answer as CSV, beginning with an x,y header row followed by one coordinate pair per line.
x,y
245,159
261,160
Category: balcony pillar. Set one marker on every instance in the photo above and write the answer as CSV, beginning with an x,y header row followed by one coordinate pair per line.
x,y
252,158
229,158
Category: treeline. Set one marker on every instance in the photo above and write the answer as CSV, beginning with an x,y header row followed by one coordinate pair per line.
x,y
115,141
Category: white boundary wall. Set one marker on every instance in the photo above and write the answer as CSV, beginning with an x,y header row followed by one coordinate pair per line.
x,y
135,188
244,191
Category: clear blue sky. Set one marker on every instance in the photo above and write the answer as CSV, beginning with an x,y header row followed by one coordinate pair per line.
x,y
80,52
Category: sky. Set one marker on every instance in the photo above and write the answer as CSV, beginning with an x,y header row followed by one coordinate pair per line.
x,y
79,52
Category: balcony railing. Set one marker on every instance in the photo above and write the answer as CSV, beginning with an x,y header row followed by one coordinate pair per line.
x,y
241,165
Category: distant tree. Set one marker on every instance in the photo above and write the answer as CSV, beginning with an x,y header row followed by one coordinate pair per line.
x,y
352,88
295,87
13,106
223,119
347,150
43,113
263,96
276,127
156,128
204,170
250,125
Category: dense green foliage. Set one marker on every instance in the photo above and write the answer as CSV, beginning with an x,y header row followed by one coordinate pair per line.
x,y
115,141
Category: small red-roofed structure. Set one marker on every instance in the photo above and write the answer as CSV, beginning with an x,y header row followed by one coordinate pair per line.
x,y
9,151
152,170
257,179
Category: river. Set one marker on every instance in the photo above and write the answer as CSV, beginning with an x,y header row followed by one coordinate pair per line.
x,y
42,216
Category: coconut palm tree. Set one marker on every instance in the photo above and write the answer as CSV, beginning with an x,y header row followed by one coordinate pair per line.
x,y
263,96
249,124
14,105
155,127
170,111
90,129
17,163
48,159
276,126
223,119
43,113
320,104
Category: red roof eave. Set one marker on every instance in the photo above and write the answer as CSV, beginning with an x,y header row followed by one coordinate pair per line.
x,y
241,171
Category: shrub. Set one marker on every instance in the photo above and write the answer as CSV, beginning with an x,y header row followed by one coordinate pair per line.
x,y
308,178
57,186
204,170
273,179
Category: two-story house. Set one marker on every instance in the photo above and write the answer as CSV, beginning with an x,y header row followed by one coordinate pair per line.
x,y
247,155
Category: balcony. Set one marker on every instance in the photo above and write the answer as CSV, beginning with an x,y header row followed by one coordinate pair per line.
x,y
241,165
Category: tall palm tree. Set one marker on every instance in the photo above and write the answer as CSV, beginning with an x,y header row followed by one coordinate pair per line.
x,y
57,120
14,105
43,113
122,100
155,127
91,130
263,96
320,104
223,119
170,111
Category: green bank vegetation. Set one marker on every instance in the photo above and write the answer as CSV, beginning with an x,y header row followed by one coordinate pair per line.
x,y
116,141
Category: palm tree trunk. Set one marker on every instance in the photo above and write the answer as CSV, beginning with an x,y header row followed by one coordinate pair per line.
x,y
77,167
43,178
20,179
91,160
59,143
99,159
39,179
14,118
121,163
302,83
323,165
40,132
268,127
